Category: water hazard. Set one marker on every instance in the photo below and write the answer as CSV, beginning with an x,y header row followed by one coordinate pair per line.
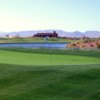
x,y
56,45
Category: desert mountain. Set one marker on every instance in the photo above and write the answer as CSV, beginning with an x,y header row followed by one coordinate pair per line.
x,y
61,33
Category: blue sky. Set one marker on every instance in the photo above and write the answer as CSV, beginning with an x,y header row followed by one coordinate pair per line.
x,y
68,15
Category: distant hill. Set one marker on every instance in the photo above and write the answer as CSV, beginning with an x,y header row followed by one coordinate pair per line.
x,y
61,33
92,34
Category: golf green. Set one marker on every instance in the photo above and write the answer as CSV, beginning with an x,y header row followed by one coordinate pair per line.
x,y
23,58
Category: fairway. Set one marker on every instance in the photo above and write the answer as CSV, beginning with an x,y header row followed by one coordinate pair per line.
x,y
20,58
49,75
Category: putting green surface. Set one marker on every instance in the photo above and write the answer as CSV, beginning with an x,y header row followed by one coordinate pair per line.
x,y
20,58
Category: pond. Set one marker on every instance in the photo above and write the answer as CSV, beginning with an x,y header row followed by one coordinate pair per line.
x,y
55,45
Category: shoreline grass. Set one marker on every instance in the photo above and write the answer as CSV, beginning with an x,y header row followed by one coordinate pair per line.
x,y
86,52
31,39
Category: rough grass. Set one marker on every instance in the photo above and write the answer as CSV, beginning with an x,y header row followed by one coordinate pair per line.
x,y
21,79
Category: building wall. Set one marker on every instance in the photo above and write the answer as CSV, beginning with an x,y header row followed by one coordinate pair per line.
x,y
54,34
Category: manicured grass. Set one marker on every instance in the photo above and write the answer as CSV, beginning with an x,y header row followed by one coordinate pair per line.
x,y
86,52
70,82
24,58
27,74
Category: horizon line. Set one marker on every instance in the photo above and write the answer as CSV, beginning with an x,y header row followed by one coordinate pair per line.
x,y
48,30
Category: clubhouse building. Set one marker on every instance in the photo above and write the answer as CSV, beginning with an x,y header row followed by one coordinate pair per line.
x,y
54,34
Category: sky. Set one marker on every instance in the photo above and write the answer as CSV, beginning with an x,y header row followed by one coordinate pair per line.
x,y
68,15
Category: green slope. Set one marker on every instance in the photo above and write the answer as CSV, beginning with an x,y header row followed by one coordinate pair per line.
x,y
49,75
